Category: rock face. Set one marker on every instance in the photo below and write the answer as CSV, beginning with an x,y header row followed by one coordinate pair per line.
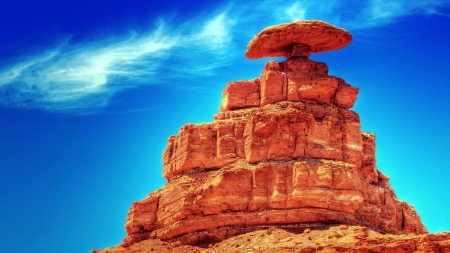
x,y
284,151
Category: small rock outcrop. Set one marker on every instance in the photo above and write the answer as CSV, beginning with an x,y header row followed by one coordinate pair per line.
x,y
285,151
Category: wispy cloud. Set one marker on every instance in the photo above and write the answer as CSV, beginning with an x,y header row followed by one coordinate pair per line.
x,y
381,12
301,10
85,75
64,78
296,11
356,14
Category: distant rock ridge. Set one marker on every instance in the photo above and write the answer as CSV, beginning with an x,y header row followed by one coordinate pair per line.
x,y
285,151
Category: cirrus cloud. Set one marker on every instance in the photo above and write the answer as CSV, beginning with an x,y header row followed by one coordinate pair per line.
x,y
74,76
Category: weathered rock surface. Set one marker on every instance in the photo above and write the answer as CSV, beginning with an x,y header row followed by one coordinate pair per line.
x,y
297,39
284,151
293,110
332,239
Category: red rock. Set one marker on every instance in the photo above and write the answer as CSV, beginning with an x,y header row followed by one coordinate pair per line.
x,y
295,39
325,239
239,95
345,96
284,151
273,87
272,193
287,162
295,79
284,163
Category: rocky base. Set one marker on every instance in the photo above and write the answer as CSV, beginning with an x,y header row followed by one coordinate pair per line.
x,y
340,238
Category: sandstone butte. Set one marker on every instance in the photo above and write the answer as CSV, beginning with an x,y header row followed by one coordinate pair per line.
x,y
283,167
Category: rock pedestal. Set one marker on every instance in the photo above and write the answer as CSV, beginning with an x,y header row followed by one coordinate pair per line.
x,y
284,151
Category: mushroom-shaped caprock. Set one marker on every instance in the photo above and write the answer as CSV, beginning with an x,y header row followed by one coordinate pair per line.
x,y
297,39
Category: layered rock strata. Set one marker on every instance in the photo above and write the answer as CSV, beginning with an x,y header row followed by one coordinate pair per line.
x,y
284,151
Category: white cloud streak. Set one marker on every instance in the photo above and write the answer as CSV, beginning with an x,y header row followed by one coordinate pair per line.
x,y
381,12
70,73
357,14
85,75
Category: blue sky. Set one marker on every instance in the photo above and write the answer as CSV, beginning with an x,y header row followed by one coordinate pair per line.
x,y
91,90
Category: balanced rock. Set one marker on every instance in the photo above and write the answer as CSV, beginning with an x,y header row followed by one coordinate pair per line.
x,y
285,151
297,39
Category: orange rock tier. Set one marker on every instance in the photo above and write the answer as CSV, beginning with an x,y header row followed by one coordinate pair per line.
x,y
285,151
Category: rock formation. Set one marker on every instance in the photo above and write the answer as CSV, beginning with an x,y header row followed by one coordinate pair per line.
x,y
285,151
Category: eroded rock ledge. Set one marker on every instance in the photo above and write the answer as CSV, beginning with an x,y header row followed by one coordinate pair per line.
x,y
284,151
293,110
241,197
